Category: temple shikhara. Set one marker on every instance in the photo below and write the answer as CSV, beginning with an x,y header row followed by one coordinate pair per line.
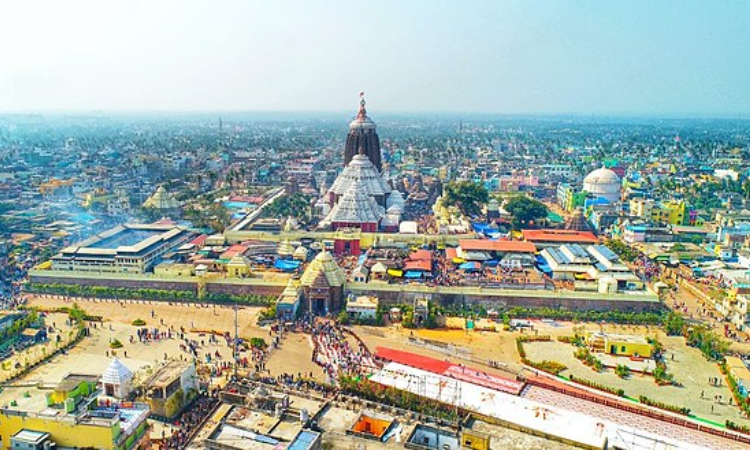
x,y
363,138
361,197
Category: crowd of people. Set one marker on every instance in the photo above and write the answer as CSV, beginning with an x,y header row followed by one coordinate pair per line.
x,y
333,352
13,275
646,269
190,420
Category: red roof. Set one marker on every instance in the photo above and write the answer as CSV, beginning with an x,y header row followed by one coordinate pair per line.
x,y
233,251
562,236
485,245
418,265
450,252
413,360
200,240
421,255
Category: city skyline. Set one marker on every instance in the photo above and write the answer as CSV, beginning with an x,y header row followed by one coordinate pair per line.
x,y
515,58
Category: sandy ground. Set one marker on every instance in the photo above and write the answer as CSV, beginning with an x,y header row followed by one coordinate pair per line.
x,y
94,354
294,356
193,317
689,367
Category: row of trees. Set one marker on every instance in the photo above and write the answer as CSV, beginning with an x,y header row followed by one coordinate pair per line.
x,y
240,299
368,390
655,317
73,290
76,290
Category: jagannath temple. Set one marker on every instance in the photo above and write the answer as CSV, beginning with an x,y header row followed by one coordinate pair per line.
x,y
361,197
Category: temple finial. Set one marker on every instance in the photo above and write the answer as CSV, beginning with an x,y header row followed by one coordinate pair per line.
x,y
362,111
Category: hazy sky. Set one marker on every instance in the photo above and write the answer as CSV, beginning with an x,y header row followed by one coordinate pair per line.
x,y
599,56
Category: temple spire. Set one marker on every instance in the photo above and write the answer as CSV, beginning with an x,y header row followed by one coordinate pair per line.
x,y
363,137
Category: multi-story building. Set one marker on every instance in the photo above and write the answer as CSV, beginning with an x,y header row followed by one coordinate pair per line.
x,y
71,416
672,212
131,248
570,197
169,389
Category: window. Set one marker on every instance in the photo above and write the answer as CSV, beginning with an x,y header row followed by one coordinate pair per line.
x,y
622,349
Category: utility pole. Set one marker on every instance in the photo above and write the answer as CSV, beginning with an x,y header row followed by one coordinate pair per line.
x,y
236,342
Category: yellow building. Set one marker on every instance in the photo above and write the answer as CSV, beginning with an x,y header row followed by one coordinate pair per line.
x,y
174,270
53,185
675,211
475,440
99,196
671,212
73,416
739,373
620,344
238,267
570,197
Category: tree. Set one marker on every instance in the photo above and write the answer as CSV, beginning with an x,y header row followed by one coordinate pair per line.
x,y
710,344
467,196
525,210
674,324
215,216
343,317
746,188
257,342
622,371
296,205
76,314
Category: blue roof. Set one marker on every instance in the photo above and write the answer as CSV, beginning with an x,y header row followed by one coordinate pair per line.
x,y
606,252
469,266
303,441
557,255
286,264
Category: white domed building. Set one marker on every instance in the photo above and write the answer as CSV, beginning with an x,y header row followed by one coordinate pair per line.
x,y
603,183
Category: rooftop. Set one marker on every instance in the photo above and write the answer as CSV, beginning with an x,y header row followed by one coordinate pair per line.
x,y
129,238
72,380
572,236
497,246
168,373
31,436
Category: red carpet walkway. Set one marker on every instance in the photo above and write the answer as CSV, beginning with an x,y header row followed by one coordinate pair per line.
x,y
451,370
